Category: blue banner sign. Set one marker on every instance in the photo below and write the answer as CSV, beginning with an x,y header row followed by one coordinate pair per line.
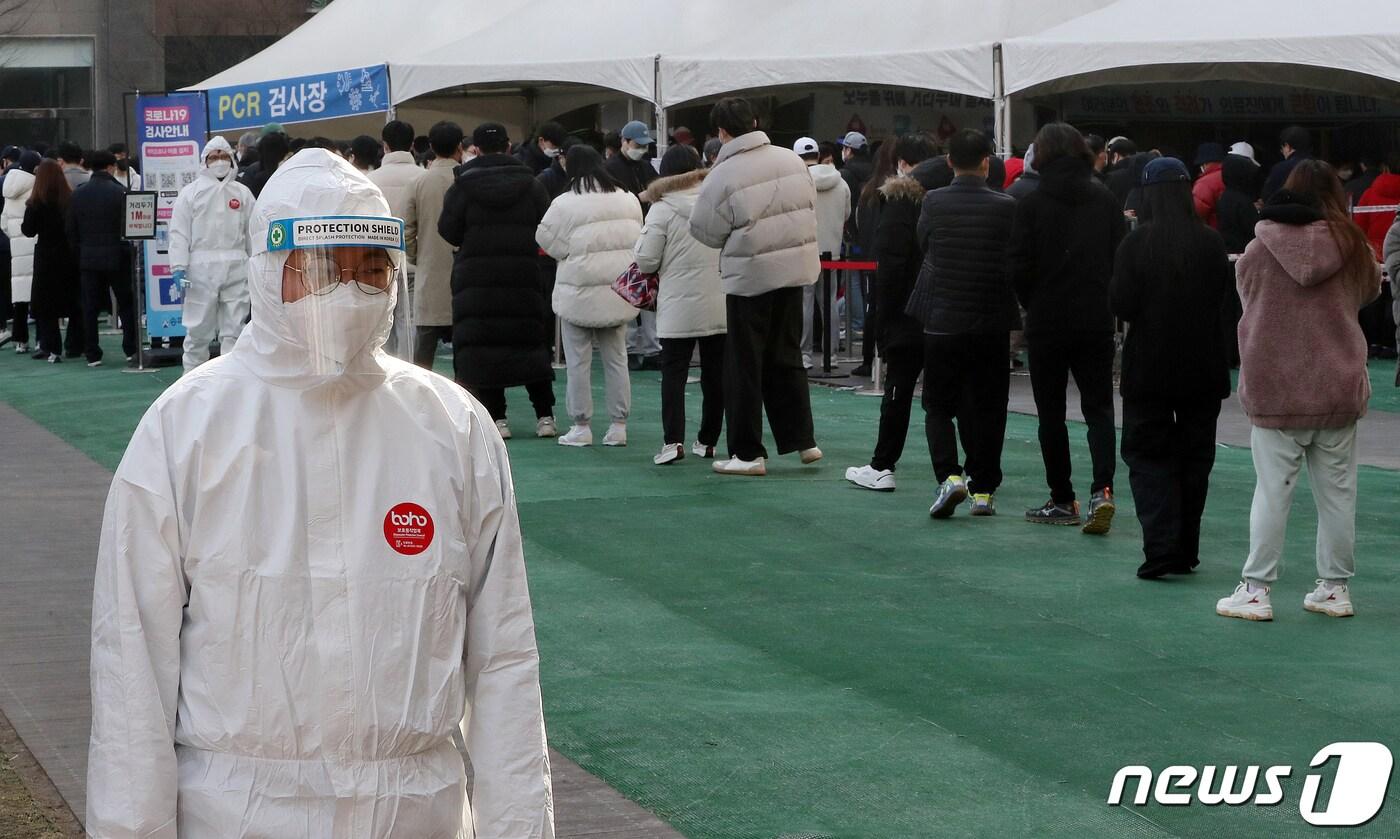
x,y
363,90
170,132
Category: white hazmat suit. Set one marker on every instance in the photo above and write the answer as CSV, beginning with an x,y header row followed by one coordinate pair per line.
x,y
310,578
209,242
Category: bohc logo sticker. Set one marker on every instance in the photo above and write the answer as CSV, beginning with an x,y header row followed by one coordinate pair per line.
x,y
1358,791
408,528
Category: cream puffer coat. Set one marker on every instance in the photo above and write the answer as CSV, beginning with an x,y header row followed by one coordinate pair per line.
x,y
591,235
758,206
18,186
833,207
690,297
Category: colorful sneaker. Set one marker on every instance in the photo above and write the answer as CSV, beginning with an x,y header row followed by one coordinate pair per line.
x,y
670,453
811,455
951,493
1330,599
545,427
1052,513
735,466
703,451
1101,510
983,504
868,477
1249,603
577,437
503,427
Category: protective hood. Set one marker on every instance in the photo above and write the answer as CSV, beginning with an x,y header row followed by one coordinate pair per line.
x,y
314,183
1308,253
217,144
825,176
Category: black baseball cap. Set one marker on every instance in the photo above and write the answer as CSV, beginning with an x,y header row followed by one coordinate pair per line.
x,y
490,134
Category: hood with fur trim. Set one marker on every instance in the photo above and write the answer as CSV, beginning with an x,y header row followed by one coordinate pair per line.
x,y
660,187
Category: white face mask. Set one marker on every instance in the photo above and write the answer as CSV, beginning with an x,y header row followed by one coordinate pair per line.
x,y
550,153
636,153
338,325
220,168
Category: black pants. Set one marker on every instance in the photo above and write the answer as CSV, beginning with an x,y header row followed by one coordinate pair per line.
x,y
675,369
763,370
19,331
494,399
1089,357
50,336
96,284
902,368
867,341
425,345
1170,450
966,379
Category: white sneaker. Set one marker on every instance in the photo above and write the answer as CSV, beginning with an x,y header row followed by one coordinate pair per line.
x,y
701,450
735,466
670,453
578,437
806,361
545,427
1330,599
1252,605
21,349
880,480
503,427
811,455
616,435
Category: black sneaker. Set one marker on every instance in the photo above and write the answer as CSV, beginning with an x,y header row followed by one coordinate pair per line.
x,y
1052,513
1159,566
862,371
1101,510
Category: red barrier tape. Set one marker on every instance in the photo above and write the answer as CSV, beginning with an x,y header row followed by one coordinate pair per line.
x,y
846,265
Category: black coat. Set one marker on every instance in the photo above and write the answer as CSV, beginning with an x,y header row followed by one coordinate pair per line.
x,y
1235,210
1278,175
1025,185
1062,248
1119,179
855,172
963,232
555,179
533,156
634,175
896,240
55,293
1175,349
94,225
499,312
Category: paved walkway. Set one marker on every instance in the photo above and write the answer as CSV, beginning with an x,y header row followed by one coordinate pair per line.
x,y
49,526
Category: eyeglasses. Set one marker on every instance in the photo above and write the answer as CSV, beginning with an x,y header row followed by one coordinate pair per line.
x,y
320,274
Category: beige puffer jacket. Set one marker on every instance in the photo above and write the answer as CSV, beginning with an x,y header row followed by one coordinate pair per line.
x,y
591,234
758,206
689,297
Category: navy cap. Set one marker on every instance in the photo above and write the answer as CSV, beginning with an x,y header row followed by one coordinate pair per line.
x,y
10,153
637,132
1209,153
1165,170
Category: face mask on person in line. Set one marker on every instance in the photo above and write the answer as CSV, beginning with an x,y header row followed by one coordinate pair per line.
x,y
551,153
220,168
636,153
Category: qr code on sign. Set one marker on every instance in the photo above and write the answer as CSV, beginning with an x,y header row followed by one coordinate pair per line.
x,y
169,180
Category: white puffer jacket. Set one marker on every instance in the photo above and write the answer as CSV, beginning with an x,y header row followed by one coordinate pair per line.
x,y
833,206
591,235
690,297
18,185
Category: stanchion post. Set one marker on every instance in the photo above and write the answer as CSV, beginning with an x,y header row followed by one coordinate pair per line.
x,y
827,371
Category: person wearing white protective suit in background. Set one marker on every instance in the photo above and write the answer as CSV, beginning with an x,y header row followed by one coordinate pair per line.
x,y
311,573
209,254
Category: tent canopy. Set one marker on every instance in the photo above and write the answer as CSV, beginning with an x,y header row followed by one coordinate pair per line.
x,y
1346,44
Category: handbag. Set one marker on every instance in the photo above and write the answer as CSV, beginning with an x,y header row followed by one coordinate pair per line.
x,y
637,288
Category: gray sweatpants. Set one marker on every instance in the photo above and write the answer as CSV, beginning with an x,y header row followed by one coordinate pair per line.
x,y
578,354
1278,456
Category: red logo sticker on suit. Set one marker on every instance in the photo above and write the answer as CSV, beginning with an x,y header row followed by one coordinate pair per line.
x,y
408,529
234,203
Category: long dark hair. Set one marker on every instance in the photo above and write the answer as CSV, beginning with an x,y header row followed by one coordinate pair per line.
x,y
586,172
1057,141
1171,220
884,168
1317,178
50,187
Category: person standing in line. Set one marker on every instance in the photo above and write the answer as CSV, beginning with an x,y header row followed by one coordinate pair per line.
x,y
689,303
1061,261
899,336
833,208
55,293
971,310
758,207
1171,280
9,158
1118,175
365,152
94,228
1303,382
633,172
856,164
863,233
1206,192
1391,255
1295,144
432,293
498,311
70,154
1030,177
1235,211
209,250
591,231
395,175
540,153
17,189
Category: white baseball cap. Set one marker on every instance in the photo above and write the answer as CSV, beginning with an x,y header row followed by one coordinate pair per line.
x,y
805,145
1244,150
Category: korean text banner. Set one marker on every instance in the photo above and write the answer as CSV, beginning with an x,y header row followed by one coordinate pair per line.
x,y
364,90
170,132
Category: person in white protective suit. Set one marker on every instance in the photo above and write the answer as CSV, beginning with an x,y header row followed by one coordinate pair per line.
x,y
209,253
311,574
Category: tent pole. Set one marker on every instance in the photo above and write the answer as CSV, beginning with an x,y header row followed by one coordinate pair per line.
x,y
1001,109
661,126
389,91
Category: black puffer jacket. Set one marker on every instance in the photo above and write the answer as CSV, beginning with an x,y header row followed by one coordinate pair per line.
x,y
1236,210
1119,180
555,179
634,175
500,314
897,242
1061,251
963,232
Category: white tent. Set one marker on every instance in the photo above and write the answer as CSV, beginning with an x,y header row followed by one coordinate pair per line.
x,y
1350,45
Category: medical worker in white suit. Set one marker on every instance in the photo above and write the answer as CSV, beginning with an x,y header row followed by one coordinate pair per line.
x,y
311,576
209,253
